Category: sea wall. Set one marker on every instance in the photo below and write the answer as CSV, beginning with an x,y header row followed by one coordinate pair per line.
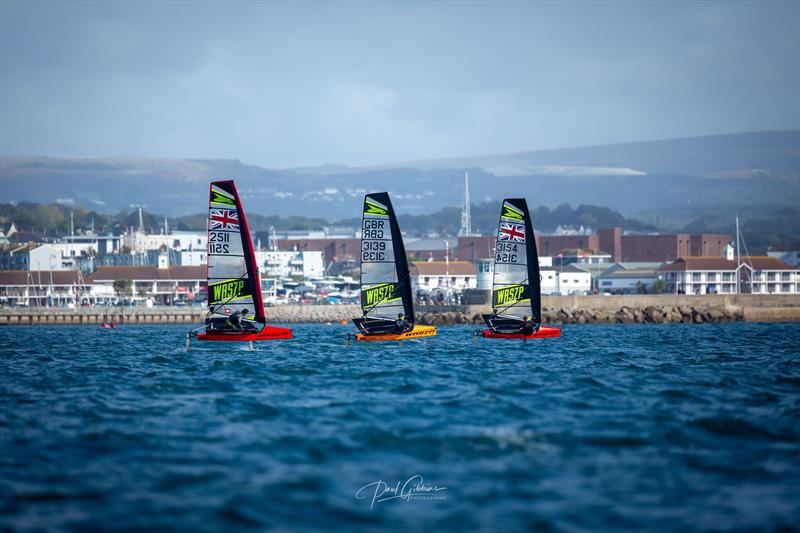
x,y
555,310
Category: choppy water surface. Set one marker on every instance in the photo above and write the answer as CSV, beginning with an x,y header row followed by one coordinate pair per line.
x,y
611,427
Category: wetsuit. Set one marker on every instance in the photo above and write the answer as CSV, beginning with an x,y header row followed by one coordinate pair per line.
x,y
234,321
401,325
528,327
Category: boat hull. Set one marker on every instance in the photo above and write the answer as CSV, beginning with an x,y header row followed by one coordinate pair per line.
x,y
416,333
544,332
269,333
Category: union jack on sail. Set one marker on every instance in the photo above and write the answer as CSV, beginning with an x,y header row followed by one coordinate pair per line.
x,y
224,219
511,232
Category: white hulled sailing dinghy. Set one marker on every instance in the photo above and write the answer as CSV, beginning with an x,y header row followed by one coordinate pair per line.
x,y
388,309
516,290
235,305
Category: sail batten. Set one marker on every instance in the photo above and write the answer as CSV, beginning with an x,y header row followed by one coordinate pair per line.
x,y
385,281
516,289
232,275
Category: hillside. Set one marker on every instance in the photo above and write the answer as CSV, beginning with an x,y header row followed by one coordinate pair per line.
x,y
722,170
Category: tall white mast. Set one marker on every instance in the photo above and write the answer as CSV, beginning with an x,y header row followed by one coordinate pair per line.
x,y
738,259
466,219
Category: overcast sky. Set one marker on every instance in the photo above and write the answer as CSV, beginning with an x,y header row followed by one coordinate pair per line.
x,y
366,83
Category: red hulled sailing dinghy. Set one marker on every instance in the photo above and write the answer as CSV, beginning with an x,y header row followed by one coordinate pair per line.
x,y
516,289
233,281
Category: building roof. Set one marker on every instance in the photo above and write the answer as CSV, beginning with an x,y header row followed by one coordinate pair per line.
x,y
761,262
17,247
580,252
39,277
175,273
425,245
570,269
631,270
440,268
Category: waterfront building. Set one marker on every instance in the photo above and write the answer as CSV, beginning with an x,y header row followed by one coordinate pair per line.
x,y
719,275
48,288
288,264
578,255
565,280
162,284
627,278
34,256
433,276
140,242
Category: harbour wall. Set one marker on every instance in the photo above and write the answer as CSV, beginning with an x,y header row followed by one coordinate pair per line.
x,y
555,310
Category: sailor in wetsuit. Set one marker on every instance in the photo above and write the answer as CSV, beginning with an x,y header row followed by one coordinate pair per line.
x,y
401,325
235,320
527,325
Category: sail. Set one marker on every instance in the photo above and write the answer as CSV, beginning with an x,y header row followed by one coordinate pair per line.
x,y
233,281
385,281
516,289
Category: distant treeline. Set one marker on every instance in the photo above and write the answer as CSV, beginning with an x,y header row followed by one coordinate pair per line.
x,y
54,219
778,229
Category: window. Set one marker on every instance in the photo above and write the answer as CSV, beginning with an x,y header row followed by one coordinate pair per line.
x,y
770,276
786,287
786,276
605,283
696,276
711,276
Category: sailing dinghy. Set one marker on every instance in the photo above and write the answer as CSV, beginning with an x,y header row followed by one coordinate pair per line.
x,y
385,279
516,289
232,273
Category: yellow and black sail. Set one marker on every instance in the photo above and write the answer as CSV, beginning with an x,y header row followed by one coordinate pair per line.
x,y
233,280
516,288
385,282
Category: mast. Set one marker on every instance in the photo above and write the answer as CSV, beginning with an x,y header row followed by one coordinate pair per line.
x,y
466,218
738,259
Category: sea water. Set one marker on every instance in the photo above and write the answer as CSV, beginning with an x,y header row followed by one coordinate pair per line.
x,y
609,427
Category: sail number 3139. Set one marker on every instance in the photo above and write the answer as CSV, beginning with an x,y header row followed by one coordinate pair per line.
x,y
373,250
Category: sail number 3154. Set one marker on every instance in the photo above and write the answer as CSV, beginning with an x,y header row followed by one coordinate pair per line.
x,y
506,253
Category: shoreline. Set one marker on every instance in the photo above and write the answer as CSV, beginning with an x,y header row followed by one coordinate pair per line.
x,y
595,309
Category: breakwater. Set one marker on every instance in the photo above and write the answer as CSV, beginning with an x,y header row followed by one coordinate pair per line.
x,y
555,310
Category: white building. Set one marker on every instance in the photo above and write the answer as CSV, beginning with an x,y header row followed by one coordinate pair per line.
x,y
443,275
286,263
627,278
89,244
165,285
485,271
193,257
569,280
177,240
718,275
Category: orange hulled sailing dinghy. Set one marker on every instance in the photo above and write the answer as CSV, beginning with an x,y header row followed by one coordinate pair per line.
x,y
385,279
516,289
234,285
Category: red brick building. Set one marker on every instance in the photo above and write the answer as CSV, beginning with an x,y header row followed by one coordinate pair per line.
x,y
623,248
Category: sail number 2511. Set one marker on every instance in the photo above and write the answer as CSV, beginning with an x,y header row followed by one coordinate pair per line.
x,y
218,242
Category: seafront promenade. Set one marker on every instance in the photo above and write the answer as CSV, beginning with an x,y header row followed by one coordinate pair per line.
x,y
555,310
